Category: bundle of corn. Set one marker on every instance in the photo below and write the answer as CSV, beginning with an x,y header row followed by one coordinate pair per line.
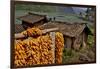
x,y
20,53
32,32
59,47
37,50
27,52
45,49
33,50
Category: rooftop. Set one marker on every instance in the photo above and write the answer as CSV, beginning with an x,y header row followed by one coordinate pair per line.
x,y
68,29
32,18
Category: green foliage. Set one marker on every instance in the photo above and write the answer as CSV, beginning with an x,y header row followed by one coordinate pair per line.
x,y
51,11
36,8
69,56
90,40
67,52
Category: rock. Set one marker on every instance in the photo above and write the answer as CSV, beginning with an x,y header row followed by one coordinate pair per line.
x,y
84,57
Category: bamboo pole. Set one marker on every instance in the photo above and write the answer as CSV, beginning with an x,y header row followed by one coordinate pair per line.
x,y
18,35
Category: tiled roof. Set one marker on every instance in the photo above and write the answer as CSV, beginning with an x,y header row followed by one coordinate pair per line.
x,y
67,29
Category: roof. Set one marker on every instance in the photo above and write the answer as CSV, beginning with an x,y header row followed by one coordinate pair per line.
x,y
18,28
32,17
68,29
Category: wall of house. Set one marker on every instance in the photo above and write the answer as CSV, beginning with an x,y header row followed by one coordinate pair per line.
x,y
77,42
26,24
73,42
84,41
68,42
39,23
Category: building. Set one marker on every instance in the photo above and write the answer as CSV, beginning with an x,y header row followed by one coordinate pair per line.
x,y
32,19
75,34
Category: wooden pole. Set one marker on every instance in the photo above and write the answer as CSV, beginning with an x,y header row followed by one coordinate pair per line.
x,y
18,35
52,35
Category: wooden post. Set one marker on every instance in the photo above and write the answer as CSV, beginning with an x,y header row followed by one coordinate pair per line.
x,y
52,35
